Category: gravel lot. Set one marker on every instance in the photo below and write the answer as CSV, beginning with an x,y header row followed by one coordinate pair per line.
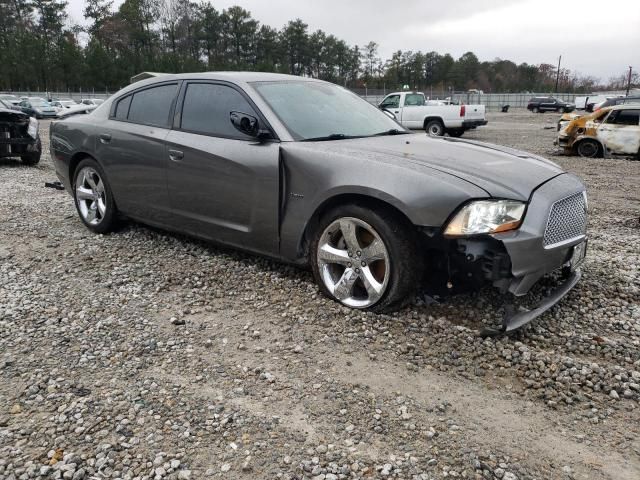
x,y
148,355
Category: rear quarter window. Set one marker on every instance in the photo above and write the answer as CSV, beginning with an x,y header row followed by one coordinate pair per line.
x,y
122,108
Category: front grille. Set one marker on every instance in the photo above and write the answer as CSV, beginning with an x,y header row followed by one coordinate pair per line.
x,y
567,220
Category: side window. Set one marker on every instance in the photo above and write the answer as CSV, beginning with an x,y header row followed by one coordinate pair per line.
x,y
207,106
392,101
413,100
626,117
122,109
153,105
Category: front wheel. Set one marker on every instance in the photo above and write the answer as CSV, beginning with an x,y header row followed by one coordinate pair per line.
x,y
588,148
434,128
93,197
365,259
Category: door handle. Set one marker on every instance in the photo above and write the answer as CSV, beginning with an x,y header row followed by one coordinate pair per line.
x,y
396,111
176,155
105,138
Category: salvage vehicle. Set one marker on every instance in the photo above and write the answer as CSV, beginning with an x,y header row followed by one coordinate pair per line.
x,y
38,107
549,104
63,103
608,131
19,136
414,111
236,158
609,102
92,101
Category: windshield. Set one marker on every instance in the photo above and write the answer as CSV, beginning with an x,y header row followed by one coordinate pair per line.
x,y
313,110
38,103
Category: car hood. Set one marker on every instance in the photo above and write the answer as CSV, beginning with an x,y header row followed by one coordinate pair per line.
x,y
502,172
8,115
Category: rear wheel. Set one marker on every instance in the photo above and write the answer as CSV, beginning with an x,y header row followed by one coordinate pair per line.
x,y
434,128
93,197
588,148
535,109
365,259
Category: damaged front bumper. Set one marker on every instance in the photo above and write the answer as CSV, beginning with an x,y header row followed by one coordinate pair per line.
x,y
18,135
552,238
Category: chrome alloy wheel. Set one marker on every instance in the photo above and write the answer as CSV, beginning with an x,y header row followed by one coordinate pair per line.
x,y
353,262
90,195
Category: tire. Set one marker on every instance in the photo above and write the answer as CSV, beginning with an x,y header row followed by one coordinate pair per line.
x,y
93,197
434,128
384,247
33,158
588,148
535,110
456,132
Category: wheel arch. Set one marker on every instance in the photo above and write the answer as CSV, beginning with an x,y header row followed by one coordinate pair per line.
x,y
430,118
75,160
357,198
583,138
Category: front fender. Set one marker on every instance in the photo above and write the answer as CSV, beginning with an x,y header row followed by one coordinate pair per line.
x,y
310,179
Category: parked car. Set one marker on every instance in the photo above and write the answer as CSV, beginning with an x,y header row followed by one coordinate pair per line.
x,y
588,102
609,131
8,98
76,109
236,158
63,103
92,101
19,135
38,107
631,100
414,111
549,104
9,106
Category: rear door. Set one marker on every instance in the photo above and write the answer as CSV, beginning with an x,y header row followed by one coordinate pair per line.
x,y
547,103
620,132
223,184
131,147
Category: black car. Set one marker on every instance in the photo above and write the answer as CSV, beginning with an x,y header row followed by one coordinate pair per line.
x,y
548,104
610,102
19,135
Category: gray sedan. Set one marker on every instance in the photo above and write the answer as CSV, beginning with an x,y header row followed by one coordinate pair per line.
x,y
309,173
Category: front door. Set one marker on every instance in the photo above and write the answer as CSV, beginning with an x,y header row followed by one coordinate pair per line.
x,y
620,132
223,184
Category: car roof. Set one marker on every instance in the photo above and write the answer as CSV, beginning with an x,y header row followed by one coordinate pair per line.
x,y
631,106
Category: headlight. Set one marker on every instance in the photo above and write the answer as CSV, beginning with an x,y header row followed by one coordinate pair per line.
x,y
486,216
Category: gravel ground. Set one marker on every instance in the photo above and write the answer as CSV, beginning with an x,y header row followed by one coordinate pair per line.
x,y
148,355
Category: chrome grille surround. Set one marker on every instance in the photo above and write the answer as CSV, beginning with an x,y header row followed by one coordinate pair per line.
x,y
567,220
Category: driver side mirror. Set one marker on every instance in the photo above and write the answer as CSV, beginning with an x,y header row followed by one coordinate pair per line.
x,y
248,124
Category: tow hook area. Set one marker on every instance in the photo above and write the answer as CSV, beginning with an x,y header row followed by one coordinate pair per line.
x,y
54,185
517,318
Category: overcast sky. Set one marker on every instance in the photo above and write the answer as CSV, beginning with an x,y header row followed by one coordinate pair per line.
x,y
594,37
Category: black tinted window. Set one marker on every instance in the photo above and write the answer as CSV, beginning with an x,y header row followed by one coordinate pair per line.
x,y
152,106
207,107
122,109
627,117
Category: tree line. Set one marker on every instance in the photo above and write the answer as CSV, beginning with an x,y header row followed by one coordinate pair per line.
x,y
41,49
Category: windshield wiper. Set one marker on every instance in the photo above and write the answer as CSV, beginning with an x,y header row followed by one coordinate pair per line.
x,y
333,136
393,131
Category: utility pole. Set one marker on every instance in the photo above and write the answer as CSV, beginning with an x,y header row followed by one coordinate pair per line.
x,y
629,81
558,73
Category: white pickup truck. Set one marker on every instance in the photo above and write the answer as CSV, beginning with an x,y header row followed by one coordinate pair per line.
x,y
414,111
